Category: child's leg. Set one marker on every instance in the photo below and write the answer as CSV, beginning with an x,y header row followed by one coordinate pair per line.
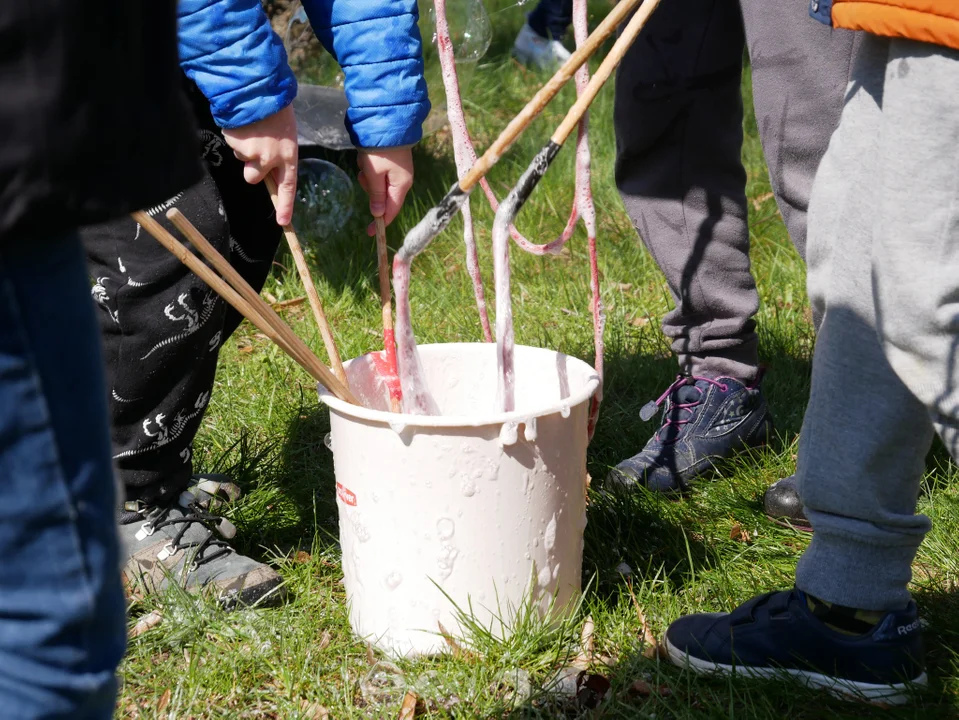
x,y
678,118
62,620
865,434
800,69
162,327
916,260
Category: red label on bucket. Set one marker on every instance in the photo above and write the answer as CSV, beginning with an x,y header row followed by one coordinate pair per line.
x,y
346,495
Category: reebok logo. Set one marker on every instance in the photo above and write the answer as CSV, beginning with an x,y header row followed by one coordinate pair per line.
x,y
906,629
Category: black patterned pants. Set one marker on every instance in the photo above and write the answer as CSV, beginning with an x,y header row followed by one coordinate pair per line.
x,y
162,326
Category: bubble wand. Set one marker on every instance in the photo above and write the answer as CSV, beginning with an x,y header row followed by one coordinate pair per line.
x,y
326,332
416,397
520,193
386,364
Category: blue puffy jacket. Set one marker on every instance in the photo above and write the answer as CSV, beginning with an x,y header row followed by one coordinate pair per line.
x,y
229,50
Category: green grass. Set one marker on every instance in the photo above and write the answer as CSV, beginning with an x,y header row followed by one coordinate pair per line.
x,y
265,427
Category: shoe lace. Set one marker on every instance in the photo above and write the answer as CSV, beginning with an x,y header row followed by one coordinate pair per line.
x,y
194,508
686,410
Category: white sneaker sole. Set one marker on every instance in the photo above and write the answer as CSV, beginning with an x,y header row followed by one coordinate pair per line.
x,y
884,694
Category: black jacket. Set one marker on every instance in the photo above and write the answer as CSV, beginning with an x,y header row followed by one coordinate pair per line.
x,y
93,123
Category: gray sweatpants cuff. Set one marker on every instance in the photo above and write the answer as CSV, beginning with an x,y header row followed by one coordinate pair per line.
x,y
740,362
841,569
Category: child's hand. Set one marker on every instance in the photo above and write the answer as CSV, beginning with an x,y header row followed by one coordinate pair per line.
x,y
387,176
269,145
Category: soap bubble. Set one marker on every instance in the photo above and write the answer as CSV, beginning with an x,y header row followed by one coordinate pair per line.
x,y
324,199
298,30
470,30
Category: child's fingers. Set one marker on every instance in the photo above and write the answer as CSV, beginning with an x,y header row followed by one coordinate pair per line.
x,y
285,176
253,173
399,183
373,178
396,194
376,188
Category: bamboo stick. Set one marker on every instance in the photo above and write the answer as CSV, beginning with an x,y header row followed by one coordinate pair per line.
x,y
326,332
253,308
606,68
542,98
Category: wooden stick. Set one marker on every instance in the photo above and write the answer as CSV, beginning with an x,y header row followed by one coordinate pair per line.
x,y
615,56
245,290
283,304
535,106
389,339
304,271
278,332
235,280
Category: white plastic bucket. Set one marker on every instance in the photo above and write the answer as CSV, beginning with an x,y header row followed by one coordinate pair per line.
x,y
487,506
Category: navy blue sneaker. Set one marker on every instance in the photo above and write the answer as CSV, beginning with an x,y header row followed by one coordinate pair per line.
x,y
704,421
776,635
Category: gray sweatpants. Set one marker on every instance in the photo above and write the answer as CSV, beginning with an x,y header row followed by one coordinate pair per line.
x,y
679,135
884,273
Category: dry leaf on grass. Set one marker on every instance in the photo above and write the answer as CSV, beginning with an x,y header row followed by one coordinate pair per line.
x,y
147,622
302,557
270,297
737,533
586,645
408,710
639,321
651,651
314,711
760,199
370,657
324,640
164,701
592,690
451,641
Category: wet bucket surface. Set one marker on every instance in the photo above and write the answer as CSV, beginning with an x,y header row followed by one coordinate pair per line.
x,y
485,507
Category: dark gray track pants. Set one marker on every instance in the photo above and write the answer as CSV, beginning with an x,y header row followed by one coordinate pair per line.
x,y
679,115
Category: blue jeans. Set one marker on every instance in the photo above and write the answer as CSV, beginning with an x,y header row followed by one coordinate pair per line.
x,y
62,614
551,18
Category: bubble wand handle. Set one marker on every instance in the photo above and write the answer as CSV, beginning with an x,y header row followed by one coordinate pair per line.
x,y
438,217
604,71
326,332
539,101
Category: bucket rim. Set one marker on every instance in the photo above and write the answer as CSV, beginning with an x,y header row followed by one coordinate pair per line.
x,y
385,417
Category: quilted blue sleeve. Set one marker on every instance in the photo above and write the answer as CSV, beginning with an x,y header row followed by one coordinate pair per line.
x,y
378,45
821,10
229,50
